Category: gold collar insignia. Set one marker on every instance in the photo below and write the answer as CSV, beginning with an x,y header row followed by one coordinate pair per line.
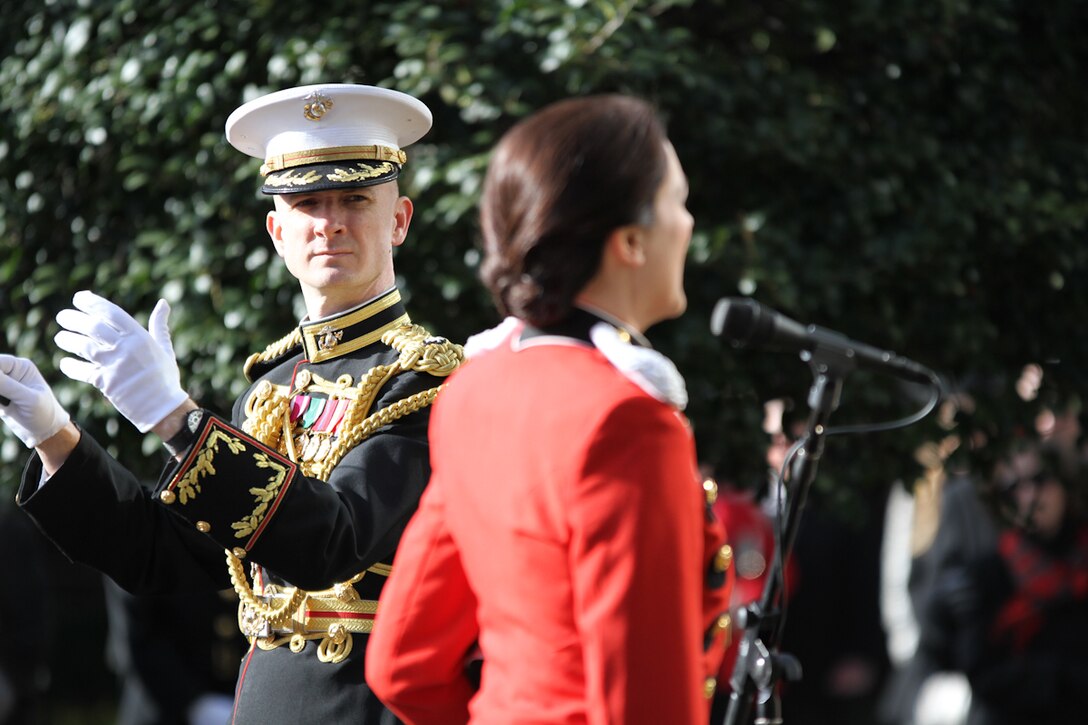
x,y
349,331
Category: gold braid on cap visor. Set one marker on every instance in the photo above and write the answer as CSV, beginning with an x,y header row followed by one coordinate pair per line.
x,y
332,155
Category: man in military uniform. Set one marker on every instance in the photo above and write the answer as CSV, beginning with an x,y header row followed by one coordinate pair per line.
x,y
305,490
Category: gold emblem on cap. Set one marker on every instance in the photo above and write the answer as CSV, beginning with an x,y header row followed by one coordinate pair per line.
x,y
317,105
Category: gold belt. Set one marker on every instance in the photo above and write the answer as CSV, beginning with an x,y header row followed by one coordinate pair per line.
x,y
331,616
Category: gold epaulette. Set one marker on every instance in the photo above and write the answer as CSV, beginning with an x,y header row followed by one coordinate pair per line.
x,y
276,350
420,350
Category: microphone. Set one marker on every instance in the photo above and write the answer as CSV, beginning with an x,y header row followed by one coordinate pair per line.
x,y
746,323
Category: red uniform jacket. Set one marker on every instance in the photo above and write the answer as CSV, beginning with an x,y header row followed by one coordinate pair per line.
x,y
565,533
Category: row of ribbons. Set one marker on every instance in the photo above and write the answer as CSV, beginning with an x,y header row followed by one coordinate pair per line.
x,y
318,415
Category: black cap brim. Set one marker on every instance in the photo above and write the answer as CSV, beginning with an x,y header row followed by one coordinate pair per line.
x,y
325,177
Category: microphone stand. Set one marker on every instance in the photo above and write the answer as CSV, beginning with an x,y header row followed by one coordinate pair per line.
x,y
759,665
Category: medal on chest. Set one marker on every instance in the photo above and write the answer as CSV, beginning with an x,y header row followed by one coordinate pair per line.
x,y
314,425
308,421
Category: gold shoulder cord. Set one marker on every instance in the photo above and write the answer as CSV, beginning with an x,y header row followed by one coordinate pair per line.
x,y
273,351
268,419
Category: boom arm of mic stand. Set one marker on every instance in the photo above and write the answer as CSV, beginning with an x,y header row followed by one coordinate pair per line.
x,y
759,665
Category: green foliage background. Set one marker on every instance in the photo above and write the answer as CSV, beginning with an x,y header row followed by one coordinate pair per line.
x,y
911,174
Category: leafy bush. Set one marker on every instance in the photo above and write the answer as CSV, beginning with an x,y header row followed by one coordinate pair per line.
x,y
913,175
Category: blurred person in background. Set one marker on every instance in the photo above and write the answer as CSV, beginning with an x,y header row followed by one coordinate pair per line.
x,y
933,526
1015,618
750,515
832,621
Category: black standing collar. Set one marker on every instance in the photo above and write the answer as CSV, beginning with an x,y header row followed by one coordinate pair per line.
x,y
354,329
577,324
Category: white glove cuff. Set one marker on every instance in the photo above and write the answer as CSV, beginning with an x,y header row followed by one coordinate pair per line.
x,y
52,424
149,410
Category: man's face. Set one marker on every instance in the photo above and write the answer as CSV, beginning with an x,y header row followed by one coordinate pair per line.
x,y
338,243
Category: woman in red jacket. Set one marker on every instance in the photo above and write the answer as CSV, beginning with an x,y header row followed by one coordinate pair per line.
x,y
565,536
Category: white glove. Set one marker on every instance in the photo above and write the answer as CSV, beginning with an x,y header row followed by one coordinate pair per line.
x,y
32,413
134,368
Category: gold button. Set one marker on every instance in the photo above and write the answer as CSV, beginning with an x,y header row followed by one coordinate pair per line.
x,y
710,486
709,686
167,497
723,622
723,558
302,379
238,552
203,527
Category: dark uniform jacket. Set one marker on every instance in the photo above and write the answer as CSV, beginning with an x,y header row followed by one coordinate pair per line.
x,y
301,497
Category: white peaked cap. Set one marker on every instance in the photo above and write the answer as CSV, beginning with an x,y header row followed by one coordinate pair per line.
x,y
319,135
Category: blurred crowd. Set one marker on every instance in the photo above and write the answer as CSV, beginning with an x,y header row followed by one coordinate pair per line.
x,y
959,598
985,583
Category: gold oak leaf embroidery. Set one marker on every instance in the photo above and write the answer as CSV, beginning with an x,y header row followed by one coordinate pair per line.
x,y
189,484
360,173
291,178
264,496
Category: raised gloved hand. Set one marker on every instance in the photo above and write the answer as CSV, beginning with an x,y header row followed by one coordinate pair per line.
x,y
27,405
134,368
